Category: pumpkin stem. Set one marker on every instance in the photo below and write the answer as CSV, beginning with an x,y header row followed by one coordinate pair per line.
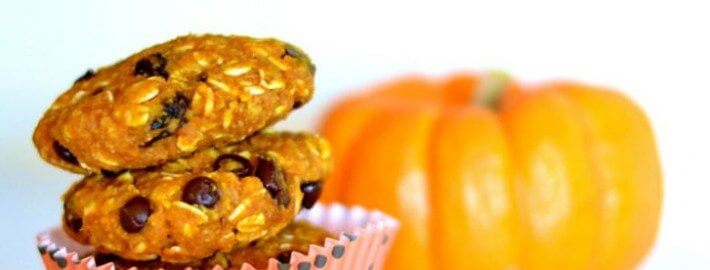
x,y
491,89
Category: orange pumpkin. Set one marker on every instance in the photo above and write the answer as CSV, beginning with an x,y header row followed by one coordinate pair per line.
x,y
485,173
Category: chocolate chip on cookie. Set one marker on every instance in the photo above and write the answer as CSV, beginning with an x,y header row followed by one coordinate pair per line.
x,y
134,214
201,191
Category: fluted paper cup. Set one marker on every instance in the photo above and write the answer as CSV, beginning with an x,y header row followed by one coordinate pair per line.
x,y
364,239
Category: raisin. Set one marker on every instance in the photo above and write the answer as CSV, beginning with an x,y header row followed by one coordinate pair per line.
x,y
173,110
158,123
177,106
152,65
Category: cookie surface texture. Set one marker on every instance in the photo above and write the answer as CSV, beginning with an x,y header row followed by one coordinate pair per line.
x,y
188,209
172,100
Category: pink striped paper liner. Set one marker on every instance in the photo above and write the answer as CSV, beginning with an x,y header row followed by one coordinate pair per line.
x,y
364,240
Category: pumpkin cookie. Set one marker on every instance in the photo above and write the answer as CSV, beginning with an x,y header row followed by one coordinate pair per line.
x,y
171,100
297,236
216,200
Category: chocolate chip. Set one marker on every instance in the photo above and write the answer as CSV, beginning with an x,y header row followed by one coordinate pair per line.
x,y
297,104
73,222
202,77
134,214
152,65
64,153
88,75
292,52
201,191
273,179
311,193
245,168
284,256
111,174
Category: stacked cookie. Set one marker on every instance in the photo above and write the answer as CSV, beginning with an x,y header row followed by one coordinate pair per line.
x,y
177,166
297,236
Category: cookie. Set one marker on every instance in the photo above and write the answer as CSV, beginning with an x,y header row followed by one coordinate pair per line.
x,y
171,100
297,236
216,200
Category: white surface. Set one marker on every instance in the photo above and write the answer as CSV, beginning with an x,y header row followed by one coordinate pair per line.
x,y
658,54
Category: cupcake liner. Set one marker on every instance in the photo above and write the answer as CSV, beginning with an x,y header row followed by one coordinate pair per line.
x,y
364,240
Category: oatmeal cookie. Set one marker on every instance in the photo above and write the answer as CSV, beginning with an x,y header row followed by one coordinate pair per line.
x,y
173,99
188,209
297,236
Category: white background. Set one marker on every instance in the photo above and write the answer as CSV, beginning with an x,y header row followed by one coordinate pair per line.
x,y
657,53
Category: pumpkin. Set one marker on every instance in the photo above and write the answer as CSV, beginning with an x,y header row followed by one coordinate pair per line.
x,y
487,173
